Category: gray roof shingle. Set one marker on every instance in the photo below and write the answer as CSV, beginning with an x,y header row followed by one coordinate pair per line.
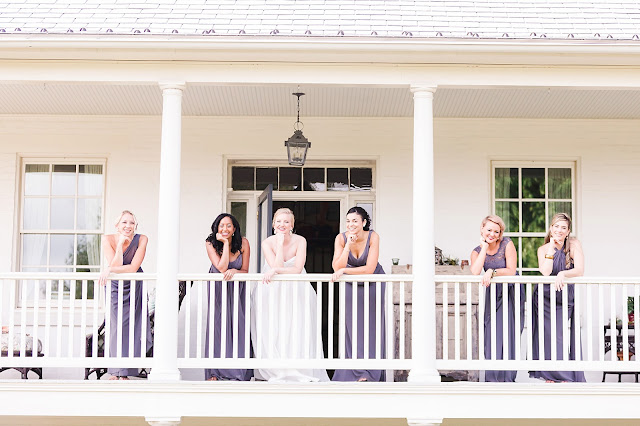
x,y
480,19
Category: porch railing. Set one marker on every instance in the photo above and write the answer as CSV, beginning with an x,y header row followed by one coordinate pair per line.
x,y
49,315
57,320
325,324
603,338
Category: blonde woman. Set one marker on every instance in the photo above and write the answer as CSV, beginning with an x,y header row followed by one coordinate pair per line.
x,y
561,256
285,331
124,252
496,256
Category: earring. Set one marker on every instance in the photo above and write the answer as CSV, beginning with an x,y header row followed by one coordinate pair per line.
x,y
291,232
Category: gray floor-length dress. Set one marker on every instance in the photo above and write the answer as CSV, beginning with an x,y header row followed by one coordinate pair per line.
x,y
127,257
227,374
369,375
559,264
499,261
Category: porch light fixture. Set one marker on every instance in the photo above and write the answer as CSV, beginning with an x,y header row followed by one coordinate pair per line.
x,y
297,145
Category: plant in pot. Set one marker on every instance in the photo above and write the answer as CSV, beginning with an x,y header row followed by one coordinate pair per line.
x,y
630,310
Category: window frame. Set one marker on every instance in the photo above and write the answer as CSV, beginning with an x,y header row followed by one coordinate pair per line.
x,y
51,161
539,164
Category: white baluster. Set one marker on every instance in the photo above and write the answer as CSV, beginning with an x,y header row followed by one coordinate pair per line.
x,y
235,318
145,320
330,292
625,325
456,319
529,319
133,287
469,333
366,323
401,320
566,337
516,312
614,326
36,320
187,318
59,326
199,321
481,309
553,310
378,307
445,321
23,322
601,323
589,319
83,319
505,320
493,315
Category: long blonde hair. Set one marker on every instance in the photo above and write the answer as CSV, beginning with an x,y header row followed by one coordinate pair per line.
x,y
566,247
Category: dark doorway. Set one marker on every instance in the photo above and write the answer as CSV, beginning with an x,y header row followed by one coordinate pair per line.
x,y
319,223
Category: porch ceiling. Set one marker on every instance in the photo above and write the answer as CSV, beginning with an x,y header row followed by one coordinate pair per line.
x,y
320,101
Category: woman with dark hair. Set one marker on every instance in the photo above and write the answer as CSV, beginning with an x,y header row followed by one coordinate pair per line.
x,y
356,253
229,253
561,256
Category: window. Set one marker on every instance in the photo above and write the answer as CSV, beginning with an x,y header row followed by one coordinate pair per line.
x,y
526,196
350,179
61,220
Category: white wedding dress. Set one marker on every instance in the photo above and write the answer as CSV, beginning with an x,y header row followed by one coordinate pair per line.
x,y
283,325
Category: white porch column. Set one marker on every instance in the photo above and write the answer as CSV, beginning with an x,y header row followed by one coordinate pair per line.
x,y
423,323
165,350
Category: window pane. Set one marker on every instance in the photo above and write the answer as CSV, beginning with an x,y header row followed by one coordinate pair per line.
x,y
64,179
90,284
532,183
530,251
556,207
61,250
266,176
36,213
239,211
533,216
338,179
36,179
88,250
559,183
90,180
34,249
89,213
242,178
506,183
361,179
62,213
314,179
290,179
508,211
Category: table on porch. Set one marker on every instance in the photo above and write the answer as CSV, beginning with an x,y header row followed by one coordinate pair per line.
x,y
619,348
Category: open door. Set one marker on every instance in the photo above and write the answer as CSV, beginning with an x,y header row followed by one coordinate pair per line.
x,y
264,214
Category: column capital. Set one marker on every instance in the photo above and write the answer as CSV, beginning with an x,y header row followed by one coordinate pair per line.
x,y
177,85
423,87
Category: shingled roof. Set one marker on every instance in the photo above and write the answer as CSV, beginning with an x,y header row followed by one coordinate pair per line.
x,y
424,19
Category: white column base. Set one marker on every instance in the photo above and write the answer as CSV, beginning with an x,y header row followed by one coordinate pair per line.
x,y
163,421
423,375
424,422
159,375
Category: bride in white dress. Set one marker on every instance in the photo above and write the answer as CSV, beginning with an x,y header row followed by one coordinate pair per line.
x,y
283,313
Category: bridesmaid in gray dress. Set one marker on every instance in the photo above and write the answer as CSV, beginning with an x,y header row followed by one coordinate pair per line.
x,y
496,255
365,243
125,252
229,253
561,256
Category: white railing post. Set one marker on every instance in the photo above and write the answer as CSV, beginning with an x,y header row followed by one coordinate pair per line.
x,y
423,336
165,351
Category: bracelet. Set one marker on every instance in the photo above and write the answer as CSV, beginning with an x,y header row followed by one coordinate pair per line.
x,y
494,273
548,256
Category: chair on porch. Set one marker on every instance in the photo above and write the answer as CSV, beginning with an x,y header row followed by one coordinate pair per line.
x,y
99,372
15,347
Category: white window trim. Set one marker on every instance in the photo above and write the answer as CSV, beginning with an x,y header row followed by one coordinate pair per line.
x,y
572,164
51,160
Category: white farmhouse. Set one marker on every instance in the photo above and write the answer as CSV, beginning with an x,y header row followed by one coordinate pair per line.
x,y
428,114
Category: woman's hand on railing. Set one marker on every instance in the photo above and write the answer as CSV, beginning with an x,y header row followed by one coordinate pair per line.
x,y
266,278
486,278
103,276
229,273
560,281
337,274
